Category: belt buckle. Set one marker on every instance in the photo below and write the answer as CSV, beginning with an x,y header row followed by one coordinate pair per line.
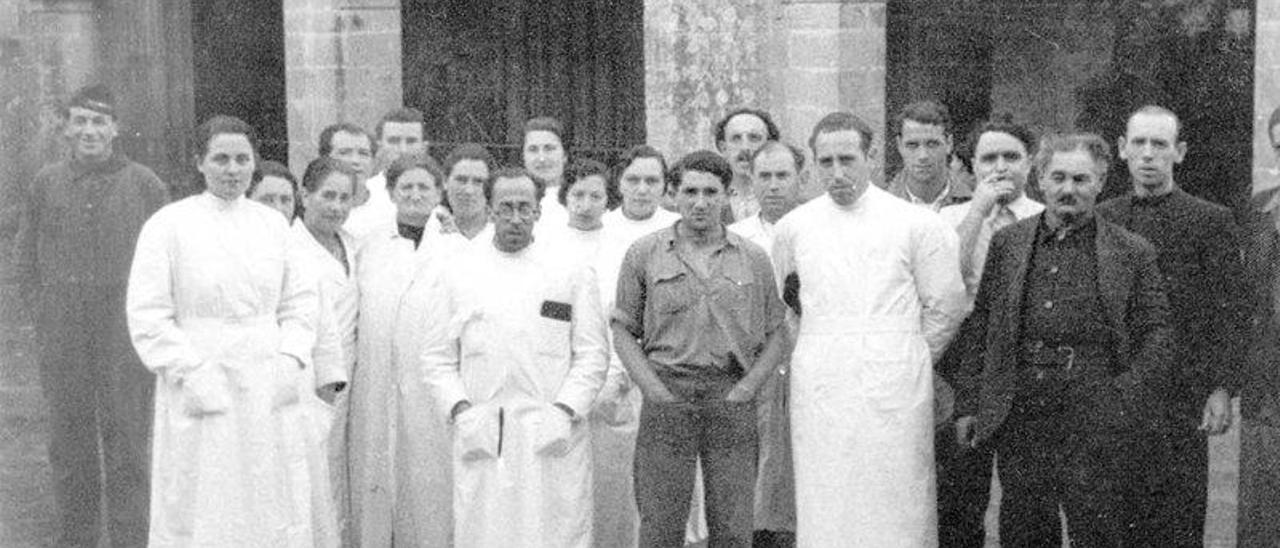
x,y
1070,353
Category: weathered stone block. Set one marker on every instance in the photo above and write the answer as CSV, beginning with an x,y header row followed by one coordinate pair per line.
x,y
813,16
819,49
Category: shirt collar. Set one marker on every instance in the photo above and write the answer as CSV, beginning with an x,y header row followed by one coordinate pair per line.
x,y
1076,235
1022,207
669,237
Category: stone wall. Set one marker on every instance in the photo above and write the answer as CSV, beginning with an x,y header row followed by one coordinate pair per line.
x,y
342,61
1266,96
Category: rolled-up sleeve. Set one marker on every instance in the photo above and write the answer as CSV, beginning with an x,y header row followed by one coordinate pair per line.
x,y
628,309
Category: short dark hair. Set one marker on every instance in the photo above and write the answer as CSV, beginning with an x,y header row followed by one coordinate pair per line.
x,y
771,129
1272,122
770,146
326,136
467,151
1091,143
1001,123
271,168
580,169
403,115
842,121
219,125
321,168
513,173
704,161
543,123
1158,111
405,164
930,113
631,155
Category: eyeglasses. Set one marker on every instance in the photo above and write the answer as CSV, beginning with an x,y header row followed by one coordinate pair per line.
x,y
508,211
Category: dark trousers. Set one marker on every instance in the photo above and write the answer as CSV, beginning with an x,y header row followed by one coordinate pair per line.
x,y
964,490
672,437
1259,510
1063,444
100,411
1167,491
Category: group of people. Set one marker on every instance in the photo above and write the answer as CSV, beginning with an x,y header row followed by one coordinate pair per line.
x,y
743,347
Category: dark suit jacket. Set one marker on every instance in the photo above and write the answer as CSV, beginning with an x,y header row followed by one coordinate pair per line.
x,y
987,347
1199,256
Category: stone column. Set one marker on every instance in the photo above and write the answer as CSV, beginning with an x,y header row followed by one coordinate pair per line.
x,y
1266,86
835,60
342,63
702,59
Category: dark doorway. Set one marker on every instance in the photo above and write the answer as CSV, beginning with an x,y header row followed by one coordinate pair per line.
x,y
479,68
239,67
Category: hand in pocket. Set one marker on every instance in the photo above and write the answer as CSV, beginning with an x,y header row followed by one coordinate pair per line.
x,y
206,390
285,376
476,434
551,431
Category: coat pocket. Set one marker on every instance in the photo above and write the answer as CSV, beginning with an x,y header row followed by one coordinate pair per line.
x,y
206,391
551,429
477,434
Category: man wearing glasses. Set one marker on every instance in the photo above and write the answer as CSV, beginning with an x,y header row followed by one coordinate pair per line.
x,y
520,359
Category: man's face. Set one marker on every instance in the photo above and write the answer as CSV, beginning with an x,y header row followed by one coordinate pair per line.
x,y
743,134
465,187
514,210
1004,156
1275,141
354,149
1150,147
400,139
700,198
841,166
1070,184
924,149
90,132
641,186
544,156
776,183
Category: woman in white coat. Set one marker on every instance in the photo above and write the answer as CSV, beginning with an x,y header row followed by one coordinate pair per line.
x,y
221,310
400,455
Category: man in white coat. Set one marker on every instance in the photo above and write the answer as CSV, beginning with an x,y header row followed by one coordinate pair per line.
x,y
879,294
522,360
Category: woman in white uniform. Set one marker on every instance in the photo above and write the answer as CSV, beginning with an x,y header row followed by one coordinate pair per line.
x,y
585,195
403,445
222,310
467,170
543,154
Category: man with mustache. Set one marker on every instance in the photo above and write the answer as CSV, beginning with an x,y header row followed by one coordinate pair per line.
x,y
1199,257
72,256
880,295
1066,345
924,142
738,135
699,326
524,355
1001,162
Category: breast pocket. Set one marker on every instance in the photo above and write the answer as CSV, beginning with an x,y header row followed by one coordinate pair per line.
x,y
671,292
735,289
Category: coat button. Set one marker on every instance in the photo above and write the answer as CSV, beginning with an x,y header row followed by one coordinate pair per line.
x,y
1053,270
1048,304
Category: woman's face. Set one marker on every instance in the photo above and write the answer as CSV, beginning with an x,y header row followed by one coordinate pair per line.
x,y
276,192
465,188
415,195
327,207
227,165
641,186
544,156
585,202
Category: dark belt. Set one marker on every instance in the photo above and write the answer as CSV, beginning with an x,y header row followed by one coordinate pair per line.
x,y
1047,355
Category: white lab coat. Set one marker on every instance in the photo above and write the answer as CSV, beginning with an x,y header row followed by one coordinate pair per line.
x,y
775,478
881,294
334,356
398,461
219,306
376,216
525,331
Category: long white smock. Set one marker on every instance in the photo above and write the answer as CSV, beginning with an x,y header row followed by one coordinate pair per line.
x,y
881,294
334,356
221,308
398,454
525,331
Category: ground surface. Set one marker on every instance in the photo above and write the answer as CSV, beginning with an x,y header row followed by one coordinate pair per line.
x,y
26,505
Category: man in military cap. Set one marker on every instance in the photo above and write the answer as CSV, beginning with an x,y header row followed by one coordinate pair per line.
x,y
81,218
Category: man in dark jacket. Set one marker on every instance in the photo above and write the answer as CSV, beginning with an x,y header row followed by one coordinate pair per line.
x,y
1067,341
1199,257
72,255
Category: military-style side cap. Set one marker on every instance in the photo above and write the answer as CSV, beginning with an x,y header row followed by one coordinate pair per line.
x,y
94,97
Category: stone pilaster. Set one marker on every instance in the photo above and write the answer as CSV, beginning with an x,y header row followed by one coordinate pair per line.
x,y
342,63
1266,94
